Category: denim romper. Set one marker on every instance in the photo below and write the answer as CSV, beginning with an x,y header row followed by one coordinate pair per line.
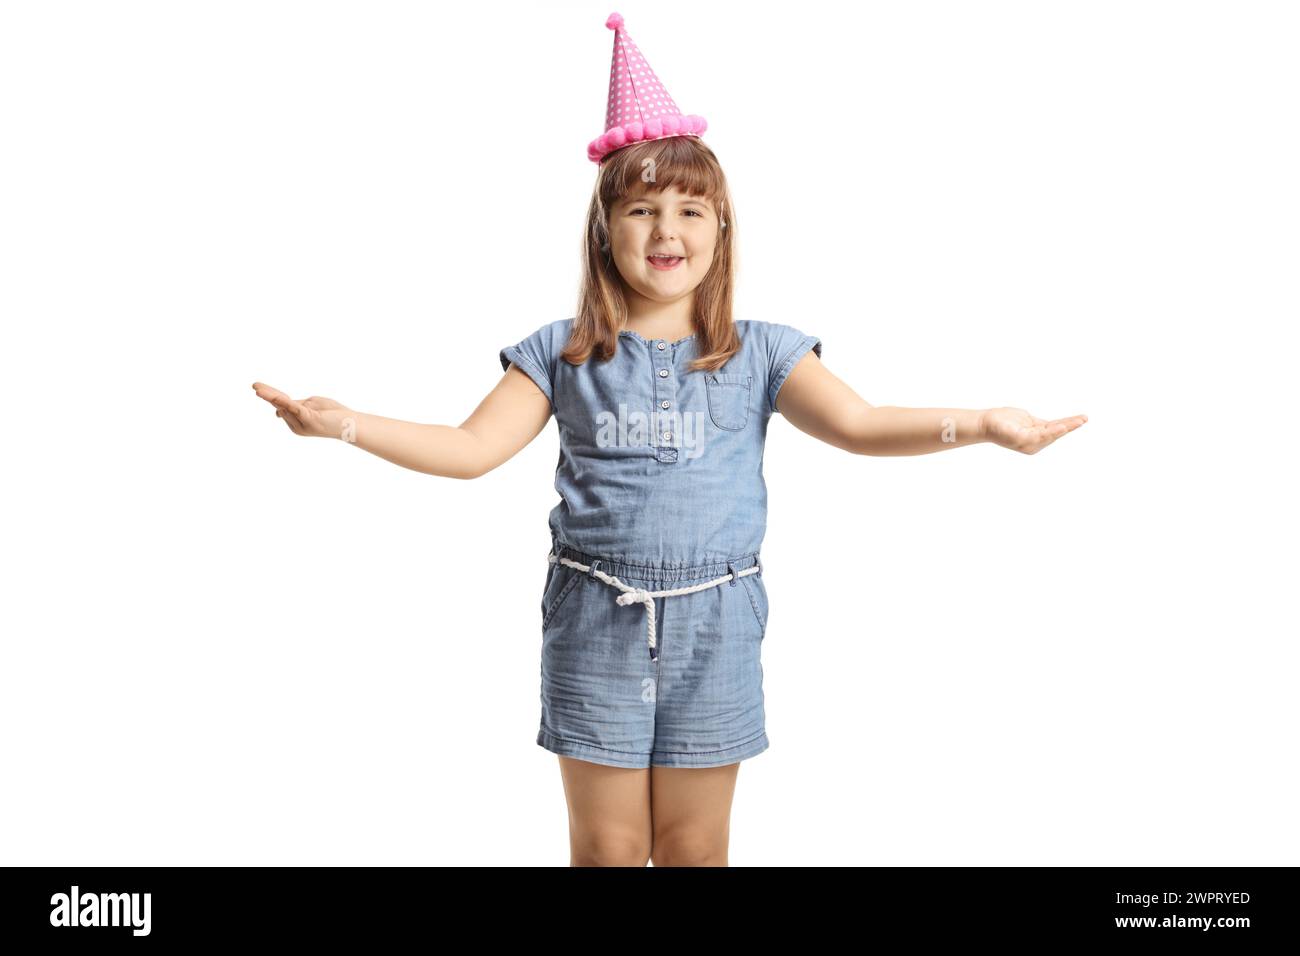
x,y
654,608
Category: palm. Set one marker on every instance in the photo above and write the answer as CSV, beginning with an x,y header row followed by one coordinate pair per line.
x,y
1016,429
303,417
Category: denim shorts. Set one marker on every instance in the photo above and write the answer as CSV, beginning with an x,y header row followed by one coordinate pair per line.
x,y
699,704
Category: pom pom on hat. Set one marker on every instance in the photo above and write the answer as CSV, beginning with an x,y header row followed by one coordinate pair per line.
x,y
615,21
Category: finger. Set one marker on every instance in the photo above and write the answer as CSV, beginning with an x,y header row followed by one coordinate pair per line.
x,y
1074,421
1049,432
1069,424
267,392
288,404
291,420
280,400
294,424
276,398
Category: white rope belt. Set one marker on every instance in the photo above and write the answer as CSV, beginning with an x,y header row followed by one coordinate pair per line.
x,y
633,595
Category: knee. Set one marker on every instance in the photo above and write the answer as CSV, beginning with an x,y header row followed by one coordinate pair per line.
x,y
609,848
687,848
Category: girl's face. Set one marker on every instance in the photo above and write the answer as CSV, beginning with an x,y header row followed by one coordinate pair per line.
x,y
663,222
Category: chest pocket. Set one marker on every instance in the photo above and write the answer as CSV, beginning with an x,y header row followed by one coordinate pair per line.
x,y
729,399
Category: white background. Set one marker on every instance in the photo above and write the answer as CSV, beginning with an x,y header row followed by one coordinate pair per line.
x,y
225,644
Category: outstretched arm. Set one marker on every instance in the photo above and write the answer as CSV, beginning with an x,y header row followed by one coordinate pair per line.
x,y
819,403
506,420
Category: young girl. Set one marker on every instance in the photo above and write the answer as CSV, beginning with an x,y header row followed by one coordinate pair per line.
x,y
654,607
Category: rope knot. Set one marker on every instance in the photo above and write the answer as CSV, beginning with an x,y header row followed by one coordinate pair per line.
x,y
634,596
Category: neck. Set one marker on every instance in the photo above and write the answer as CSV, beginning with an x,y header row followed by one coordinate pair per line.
x,y
660,320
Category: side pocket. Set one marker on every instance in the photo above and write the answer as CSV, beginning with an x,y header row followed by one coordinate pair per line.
x,y
757,590
559,584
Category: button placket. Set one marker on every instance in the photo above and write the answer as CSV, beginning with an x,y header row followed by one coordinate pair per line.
x,y
665,394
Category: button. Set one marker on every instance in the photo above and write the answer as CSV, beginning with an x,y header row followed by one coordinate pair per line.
x,y
668,436
663,373
662,346
665,403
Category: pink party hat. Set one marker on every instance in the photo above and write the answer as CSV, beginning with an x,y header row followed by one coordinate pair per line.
x,y
640,109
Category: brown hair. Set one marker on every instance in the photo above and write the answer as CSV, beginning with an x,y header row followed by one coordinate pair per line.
x,y
688,164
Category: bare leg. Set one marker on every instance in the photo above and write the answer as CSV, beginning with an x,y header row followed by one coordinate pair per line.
x,y
691,814
609,813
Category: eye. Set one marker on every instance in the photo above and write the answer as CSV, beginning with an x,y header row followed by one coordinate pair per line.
x,y
695,212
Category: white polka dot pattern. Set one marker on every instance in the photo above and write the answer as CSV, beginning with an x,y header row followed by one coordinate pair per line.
x,y
635,93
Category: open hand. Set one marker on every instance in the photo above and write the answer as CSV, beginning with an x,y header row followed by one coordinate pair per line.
x,y
314,417
1016,429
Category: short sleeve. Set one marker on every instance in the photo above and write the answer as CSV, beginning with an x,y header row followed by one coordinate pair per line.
x,y
786,345
535,358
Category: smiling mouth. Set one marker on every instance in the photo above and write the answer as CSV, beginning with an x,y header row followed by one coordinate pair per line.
x,y
665,263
